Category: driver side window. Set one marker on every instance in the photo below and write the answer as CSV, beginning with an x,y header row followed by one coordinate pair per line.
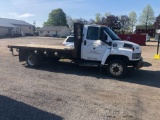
x,y
93,33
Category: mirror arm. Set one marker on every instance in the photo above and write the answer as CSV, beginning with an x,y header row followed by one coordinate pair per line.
x,y
108,43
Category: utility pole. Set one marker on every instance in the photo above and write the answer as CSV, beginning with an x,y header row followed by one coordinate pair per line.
x,y
34,23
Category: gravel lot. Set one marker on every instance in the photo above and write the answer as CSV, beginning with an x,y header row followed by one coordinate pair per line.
x,y
66,91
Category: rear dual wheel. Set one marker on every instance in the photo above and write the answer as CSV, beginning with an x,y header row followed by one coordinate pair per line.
x,y
34,60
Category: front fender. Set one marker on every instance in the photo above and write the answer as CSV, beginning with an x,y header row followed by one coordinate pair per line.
x,y
105,56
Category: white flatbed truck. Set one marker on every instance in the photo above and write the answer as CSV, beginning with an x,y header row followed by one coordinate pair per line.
x,y
94,45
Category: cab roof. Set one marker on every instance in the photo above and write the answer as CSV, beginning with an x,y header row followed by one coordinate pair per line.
x,y
95,25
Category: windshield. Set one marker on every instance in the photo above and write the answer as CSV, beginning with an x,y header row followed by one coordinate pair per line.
x,y
111,34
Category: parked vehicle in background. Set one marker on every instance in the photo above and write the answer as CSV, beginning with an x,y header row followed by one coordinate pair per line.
x,y
69,41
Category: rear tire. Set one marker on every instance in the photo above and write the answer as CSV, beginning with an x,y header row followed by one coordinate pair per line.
x,y
34,60
117,69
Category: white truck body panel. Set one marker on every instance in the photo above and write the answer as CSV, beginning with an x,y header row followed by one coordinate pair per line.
x,y
93,49
120,50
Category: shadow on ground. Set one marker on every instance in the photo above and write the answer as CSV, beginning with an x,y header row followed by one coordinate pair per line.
x,y
146,64
142,77
13,110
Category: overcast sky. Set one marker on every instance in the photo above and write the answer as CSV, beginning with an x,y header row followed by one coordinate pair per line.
x,y
38,10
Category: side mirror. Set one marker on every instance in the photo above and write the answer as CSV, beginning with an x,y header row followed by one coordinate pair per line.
x,y
109,43
103,37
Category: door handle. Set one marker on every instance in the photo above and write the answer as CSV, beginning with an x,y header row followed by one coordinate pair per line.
x,y
85,42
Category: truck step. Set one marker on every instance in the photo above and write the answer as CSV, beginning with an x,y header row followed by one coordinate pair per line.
x,y
89,64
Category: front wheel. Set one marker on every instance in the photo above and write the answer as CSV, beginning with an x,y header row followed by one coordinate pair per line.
x,y
117,68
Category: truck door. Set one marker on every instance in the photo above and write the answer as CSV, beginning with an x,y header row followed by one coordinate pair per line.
x,y
92,47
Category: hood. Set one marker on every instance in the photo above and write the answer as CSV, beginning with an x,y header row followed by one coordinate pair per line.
x,y
121,43
126,45
128,42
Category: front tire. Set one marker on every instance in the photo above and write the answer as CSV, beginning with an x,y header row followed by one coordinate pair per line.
x,y
117,69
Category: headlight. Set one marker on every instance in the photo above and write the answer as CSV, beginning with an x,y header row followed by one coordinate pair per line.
x,y
136,55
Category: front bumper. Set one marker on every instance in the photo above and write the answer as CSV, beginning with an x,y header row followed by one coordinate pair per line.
x,y
139,64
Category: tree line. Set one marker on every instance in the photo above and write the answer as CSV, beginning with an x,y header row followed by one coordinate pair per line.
x,y
120,23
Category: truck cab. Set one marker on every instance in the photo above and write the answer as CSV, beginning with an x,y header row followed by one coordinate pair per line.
x,y
98,43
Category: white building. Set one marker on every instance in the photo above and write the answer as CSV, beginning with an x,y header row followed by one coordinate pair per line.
x,y
11,26
55,31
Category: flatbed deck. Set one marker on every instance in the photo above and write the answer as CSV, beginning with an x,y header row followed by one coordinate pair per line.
x,y
48,50
39,46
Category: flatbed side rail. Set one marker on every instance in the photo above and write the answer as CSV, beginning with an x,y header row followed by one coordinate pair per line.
x,y
44,50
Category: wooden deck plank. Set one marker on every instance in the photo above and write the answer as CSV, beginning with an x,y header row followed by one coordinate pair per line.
x,y
55,47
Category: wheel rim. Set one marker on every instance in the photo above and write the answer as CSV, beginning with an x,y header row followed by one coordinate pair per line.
x,y
31,60
116,69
